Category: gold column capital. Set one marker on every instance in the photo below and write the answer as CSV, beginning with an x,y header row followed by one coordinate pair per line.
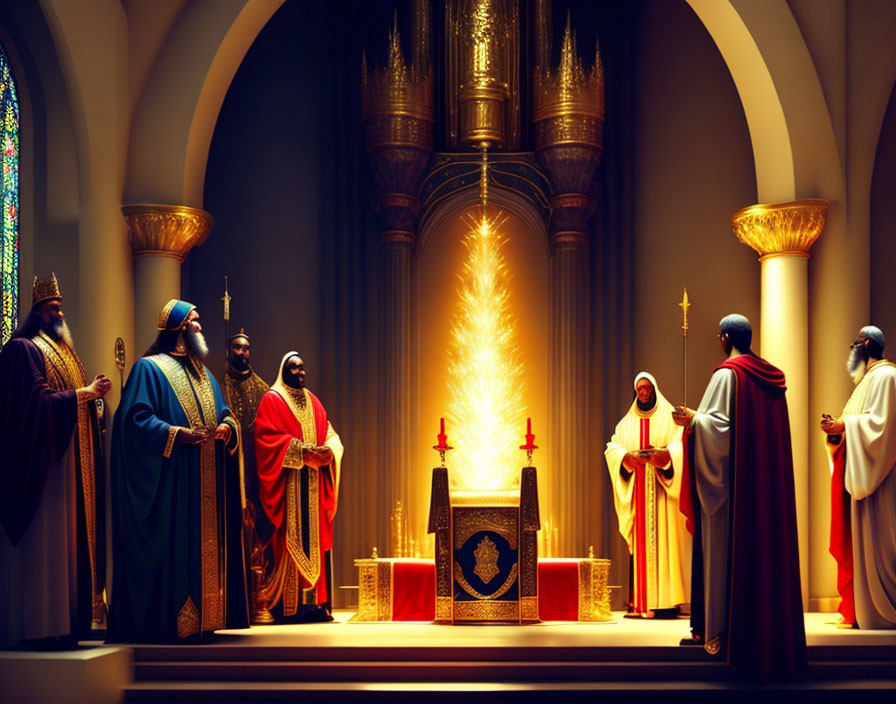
x,y
166,230
781,229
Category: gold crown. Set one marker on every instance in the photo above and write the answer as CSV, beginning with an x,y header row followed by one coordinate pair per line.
x,y
45,290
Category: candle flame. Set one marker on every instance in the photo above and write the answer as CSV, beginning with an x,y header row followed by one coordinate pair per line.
x,y
485,407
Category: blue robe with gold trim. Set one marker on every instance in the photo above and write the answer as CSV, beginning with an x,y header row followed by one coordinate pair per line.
x,y
176,510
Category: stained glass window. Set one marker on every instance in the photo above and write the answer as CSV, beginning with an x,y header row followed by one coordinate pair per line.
x,y
9,201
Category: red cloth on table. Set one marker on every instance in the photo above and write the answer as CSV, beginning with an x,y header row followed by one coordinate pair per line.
x,y
558,590
413,590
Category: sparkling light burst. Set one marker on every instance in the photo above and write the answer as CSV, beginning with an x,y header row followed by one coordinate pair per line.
x,y
486,410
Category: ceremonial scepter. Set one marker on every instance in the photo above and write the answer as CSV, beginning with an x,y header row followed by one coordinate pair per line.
x,y
684,305
226,299
120,359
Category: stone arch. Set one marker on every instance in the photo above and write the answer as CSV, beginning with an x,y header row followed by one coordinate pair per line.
x,y
173,124
794,145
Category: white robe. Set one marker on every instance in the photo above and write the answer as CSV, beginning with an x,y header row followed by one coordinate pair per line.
x,y
669,568
870,419
712,463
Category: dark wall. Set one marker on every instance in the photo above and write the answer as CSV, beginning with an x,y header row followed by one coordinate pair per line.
x,y
883,242
287,184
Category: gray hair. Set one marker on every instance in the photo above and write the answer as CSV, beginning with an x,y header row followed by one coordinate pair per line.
x,y
876,335
738,329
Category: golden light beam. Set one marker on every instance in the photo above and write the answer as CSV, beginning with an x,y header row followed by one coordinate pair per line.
x,y
486,409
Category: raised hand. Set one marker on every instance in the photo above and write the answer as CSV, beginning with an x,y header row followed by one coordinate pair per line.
x,y
98,388
830,425
682,415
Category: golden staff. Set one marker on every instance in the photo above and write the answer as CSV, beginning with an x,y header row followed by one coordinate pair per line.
x,y
120,359
226,299
684,305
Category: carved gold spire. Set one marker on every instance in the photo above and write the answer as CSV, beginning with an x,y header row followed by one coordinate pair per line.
x,y
781,228
398,115
567,116
569,89
400,88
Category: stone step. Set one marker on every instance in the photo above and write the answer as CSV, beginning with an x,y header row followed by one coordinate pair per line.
x,y
425,671
692,692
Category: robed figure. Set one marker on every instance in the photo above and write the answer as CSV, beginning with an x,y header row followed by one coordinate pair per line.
x,y
52,508
645,462
298,455
243,391
738,496
862,450
176,485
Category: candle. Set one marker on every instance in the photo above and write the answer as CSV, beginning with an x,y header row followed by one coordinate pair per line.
x,y
528,426
441,426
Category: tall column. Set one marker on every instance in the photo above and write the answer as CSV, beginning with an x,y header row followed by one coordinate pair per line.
x,y
782,234
568,119
398,116
161,236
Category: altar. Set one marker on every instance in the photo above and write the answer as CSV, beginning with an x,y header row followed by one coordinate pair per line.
x,y
486,566
404,589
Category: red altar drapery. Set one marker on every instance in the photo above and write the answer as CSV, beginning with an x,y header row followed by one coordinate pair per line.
x,y
414,590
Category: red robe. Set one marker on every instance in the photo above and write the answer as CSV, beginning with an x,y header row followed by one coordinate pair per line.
x,y
275,428
766,630
841,534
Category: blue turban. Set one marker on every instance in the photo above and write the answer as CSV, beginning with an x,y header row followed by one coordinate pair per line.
x,y
174,314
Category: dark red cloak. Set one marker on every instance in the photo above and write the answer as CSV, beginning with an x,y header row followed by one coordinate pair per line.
x,y
766,632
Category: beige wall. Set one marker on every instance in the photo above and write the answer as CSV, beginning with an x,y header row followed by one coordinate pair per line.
x,y
694,169
883,232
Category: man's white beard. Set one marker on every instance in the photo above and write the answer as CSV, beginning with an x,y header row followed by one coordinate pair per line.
x,y
61,332
196,344
856,366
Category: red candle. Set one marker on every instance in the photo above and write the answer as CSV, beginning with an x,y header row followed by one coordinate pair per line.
x,y
528,426
442,427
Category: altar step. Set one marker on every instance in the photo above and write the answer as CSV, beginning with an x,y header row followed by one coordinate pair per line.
x,y
224,672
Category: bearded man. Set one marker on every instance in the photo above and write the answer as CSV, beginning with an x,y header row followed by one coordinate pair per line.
x,y
173,494
738,496
243,390
644,459
862,449
52,560
298,470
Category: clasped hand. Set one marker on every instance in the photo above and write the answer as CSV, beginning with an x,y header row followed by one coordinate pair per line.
x,y
196,436
317,455
638,459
